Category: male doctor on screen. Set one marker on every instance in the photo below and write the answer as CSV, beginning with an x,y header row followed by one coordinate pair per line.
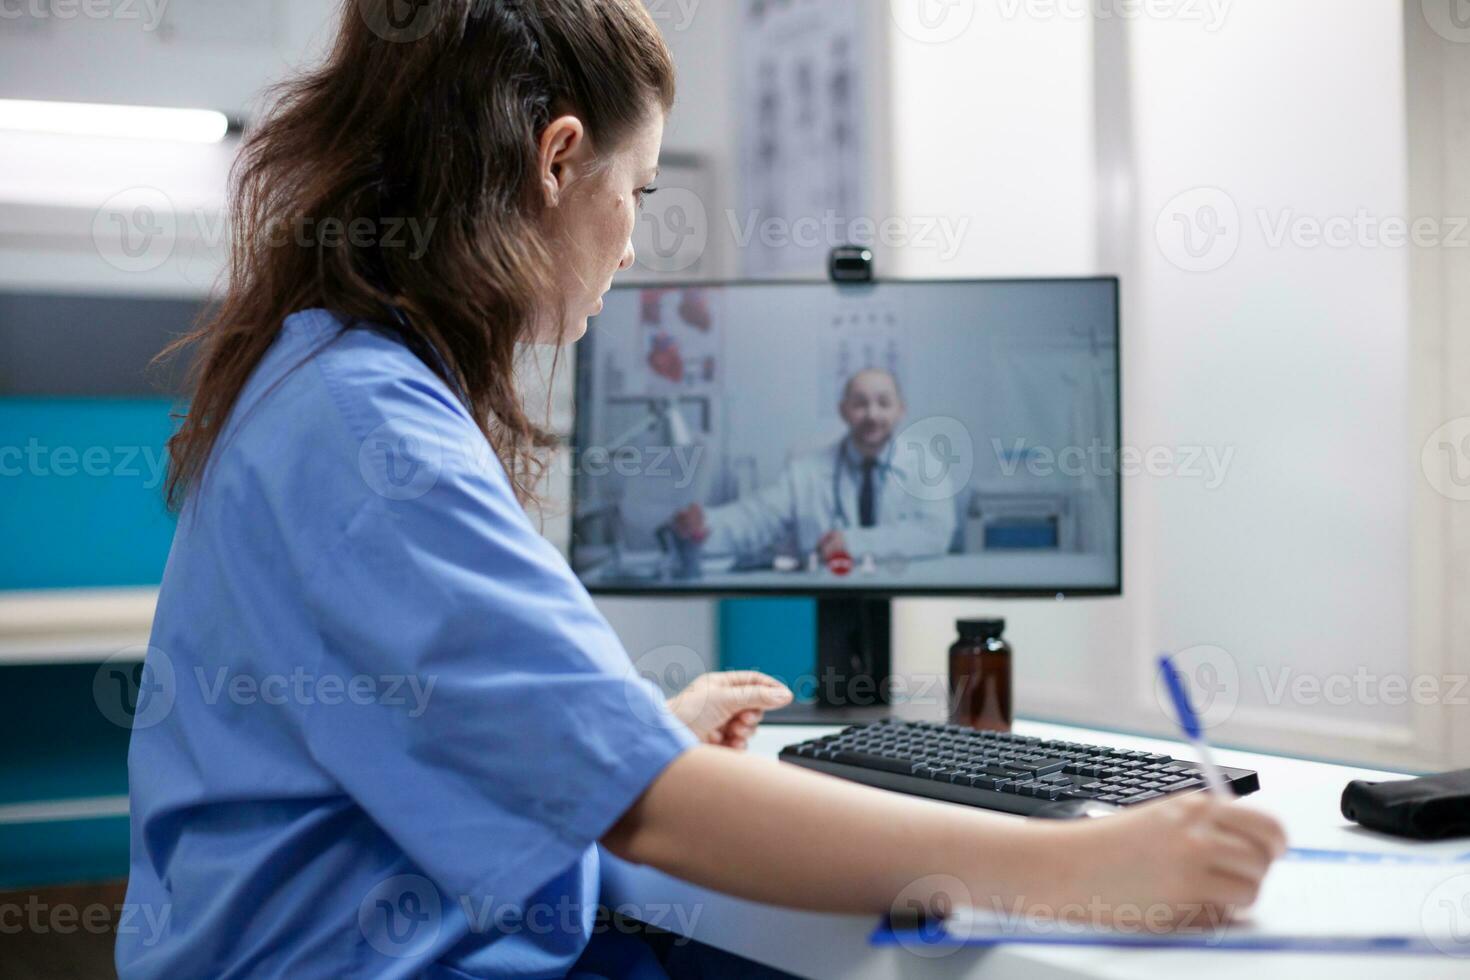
x,y
850,497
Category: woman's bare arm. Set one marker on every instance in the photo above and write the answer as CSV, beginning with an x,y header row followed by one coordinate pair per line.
x,y
775,833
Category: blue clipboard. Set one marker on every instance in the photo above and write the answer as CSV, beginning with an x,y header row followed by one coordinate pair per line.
x,y
935,936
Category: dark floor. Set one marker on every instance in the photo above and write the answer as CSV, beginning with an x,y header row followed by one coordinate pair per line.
x,y
67,933
63,933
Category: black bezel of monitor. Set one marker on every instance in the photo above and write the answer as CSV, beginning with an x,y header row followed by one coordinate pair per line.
x,y
856,592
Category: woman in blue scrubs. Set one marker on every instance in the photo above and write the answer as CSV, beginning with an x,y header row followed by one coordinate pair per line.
x,y
383,727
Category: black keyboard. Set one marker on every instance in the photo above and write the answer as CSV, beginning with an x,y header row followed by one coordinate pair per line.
x,y
1000,771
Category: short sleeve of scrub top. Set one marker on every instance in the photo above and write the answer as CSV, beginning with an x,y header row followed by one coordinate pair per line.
x,y
451,724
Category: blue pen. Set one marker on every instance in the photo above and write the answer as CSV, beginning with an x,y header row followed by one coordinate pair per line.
x,y
1189,722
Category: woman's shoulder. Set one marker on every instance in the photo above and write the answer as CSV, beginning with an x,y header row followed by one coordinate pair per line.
x,y
335,417
369,373
328,401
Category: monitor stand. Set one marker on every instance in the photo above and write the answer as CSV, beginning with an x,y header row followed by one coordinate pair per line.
x,y
854,666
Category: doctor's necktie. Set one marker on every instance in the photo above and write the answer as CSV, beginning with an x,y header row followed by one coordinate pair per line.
x,y
867,515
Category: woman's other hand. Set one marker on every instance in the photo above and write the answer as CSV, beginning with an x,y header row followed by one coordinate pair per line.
x,y
690,525
725,708
831,544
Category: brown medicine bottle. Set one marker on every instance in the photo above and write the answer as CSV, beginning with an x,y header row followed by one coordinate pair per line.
x,y
980,676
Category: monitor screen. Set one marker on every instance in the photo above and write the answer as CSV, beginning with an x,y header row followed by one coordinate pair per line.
x,y
890,438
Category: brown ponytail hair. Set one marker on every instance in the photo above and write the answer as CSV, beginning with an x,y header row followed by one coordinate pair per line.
x,y
433,117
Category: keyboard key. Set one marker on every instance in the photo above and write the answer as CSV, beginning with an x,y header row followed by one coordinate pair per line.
x,y
1141,797
998,772
870,761
1040,766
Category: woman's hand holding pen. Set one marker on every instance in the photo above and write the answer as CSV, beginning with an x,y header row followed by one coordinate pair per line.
x,y
725,708
1194,860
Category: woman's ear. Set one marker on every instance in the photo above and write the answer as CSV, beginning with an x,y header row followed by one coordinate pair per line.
x,y
563,145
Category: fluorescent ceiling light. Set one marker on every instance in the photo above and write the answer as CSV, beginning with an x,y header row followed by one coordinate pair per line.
x,y
124,121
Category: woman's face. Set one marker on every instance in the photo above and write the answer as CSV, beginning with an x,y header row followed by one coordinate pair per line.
x,y
592,208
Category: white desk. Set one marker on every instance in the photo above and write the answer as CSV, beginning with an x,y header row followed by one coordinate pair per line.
x,y
1303,795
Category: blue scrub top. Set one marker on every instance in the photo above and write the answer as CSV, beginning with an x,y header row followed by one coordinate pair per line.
x,y
381,725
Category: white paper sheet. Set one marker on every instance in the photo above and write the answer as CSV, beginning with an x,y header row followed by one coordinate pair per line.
x,y
1306,902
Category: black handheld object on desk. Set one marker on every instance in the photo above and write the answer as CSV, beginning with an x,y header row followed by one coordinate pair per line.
x,y
1430,808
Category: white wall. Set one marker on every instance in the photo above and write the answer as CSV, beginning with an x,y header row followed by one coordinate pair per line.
x,y
995,126
1438,55
1297,356
1293,358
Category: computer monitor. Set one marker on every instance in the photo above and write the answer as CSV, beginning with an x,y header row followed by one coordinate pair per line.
x,y
852,443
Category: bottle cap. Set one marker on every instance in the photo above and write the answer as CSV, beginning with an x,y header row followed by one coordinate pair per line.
x,y
980,629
